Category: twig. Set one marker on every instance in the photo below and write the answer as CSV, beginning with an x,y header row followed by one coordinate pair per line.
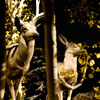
x,y
37,6
77,85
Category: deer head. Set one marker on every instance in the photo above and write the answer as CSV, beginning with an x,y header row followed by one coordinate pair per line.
x,y
71,47
27,29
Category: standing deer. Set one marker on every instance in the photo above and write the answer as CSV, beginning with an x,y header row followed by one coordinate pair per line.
x,y
68,70
19,55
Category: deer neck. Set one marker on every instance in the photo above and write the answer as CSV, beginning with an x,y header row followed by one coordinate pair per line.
x,y
70,61
25,50
26,44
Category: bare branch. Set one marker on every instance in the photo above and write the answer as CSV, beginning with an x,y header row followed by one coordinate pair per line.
x,y
77,85
37,6
65,83
21,5
8,3
11,8
11,46
16,9
84,73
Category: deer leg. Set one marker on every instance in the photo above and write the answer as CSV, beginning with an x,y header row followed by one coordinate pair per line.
x,y
69,94
11,89
18,89
60,95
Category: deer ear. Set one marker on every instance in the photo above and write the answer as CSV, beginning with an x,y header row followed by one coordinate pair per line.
x,y
18,23
63,40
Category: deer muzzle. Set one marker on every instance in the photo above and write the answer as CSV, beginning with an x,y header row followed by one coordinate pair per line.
x,y
77,52
83,51
35,35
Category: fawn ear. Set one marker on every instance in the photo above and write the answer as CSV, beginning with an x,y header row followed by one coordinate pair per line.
x,y
63,40
18,23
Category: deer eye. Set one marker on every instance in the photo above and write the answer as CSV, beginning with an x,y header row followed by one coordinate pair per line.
x,y
24,29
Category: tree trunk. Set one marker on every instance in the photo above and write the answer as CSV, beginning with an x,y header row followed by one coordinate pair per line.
x,y
2,50
51,49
